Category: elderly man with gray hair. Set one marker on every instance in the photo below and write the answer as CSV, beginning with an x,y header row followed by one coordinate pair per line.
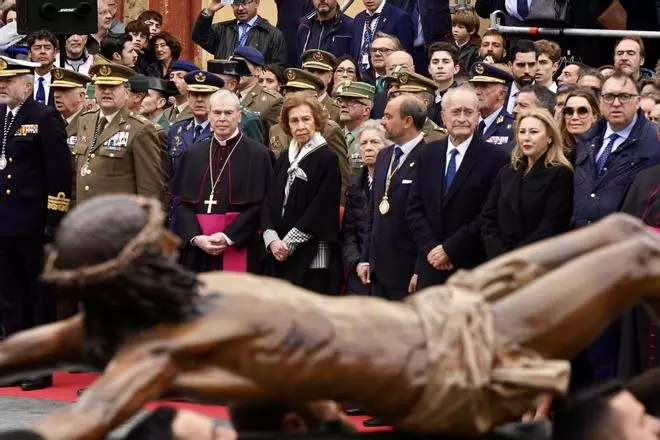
x,y
220,185
454,177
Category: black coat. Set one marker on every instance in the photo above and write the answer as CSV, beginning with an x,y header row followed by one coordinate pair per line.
x,y
524,208
391,250
451,219
354,229
220,39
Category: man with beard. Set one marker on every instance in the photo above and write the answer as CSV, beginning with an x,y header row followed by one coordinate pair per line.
x,y
77,58
523,64
42,46
35,176
443,67
69,93
219,187
322,64
629,55
493,47
119,49
496,124
328,29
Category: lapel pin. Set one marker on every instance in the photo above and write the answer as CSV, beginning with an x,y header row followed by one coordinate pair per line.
x,y
412,164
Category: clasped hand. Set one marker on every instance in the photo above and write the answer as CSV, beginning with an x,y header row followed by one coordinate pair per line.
x,y
212,244
439,259
280,250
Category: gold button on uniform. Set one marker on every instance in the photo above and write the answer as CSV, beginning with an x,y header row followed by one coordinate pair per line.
x,y
92,155
8,191
8,176
86,187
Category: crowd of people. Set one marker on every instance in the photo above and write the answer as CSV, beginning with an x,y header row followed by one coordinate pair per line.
x,y
378,158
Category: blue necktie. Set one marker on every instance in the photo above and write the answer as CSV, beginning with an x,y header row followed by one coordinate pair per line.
x,y
243,38
451,169
41,91
366,45
398,152
481,127
607,152
523,8
198,132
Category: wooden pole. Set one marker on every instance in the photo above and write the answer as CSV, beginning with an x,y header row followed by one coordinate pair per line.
x,y
178,18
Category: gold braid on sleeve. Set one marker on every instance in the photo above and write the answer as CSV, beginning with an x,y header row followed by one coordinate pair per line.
x,y
59,202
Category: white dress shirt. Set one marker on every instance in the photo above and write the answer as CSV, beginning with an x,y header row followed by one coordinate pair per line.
x,y
374,24
488,120
513,92
623,136
512,8
408,147
462,149
46,78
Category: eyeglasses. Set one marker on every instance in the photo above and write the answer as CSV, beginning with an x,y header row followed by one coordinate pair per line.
x,y
350,102
383,50
582,112
624,98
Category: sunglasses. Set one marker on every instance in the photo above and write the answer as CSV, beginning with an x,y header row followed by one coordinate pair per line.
x,y
582,112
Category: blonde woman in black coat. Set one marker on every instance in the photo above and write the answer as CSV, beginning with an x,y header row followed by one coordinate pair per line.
x,y
531,198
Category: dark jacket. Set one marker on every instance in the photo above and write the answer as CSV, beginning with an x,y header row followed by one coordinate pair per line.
x,y
391,250
452,218
435,15
467,56
354,228
597,196
392,21
220,39
524,208
336,35
288,16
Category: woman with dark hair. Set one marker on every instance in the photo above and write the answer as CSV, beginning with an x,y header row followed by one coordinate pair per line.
x,y
300,217
167,49
346,69
9,15
272,78
578,115
531,198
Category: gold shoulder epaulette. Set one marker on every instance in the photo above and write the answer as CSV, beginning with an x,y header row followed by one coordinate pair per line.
x,y
59,203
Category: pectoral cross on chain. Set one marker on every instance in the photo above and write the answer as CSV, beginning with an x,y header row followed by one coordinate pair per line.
x,y
210,202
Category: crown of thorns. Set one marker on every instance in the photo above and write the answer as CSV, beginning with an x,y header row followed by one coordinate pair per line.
x,y
151,234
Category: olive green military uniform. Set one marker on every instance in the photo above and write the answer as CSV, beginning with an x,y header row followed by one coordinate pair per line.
x,y
174,115
162,122
333,134
316,60
433,132
267,104
330,105
357,92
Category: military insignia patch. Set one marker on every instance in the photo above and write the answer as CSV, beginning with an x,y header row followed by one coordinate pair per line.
x,y
200,77
403,78
479,68
105,71
290,75
57,74
3,64
317,56
500,119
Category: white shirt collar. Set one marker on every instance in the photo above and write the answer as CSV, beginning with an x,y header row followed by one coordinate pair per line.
x,y
488,120
251,22
109,117
462,147
553,87
203,124
46,77
623,134
223,143
408,146
379,9
13,110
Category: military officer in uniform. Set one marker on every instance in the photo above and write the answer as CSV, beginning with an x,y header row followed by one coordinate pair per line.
x,y
404,82
183,134
153,104
356,100
322,65
179,110
69,92
495,123
231,71
302,81
117,150
35,192
266,103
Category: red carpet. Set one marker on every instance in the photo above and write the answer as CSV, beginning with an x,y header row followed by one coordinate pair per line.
x,y
65,386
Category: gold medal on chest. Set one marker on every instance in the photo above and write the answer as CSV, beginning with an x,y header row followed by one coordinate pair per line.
x,y
384,206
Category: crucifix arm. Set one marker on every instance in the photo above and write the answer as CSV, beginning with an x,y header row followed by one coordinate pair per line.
x,y
43,348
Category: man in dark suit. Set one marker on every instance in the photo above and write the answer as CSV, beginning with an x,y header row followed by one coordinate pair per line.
x,y
42,48
379,16
389,254
35,186
495,123
432,22
289,13
443,213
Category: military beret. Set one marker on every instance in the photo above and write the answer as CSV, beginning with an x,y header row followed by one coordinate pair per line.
x,y
489,74
12,67
202,81
355,89
235,67
68,79
110,74
319,60
302,80
183,65
251,54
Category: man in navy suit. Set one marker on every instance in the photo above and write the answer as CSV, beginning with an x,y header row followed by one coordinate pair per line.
x,y
389,254
443,209
495,123
42,48
379,16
